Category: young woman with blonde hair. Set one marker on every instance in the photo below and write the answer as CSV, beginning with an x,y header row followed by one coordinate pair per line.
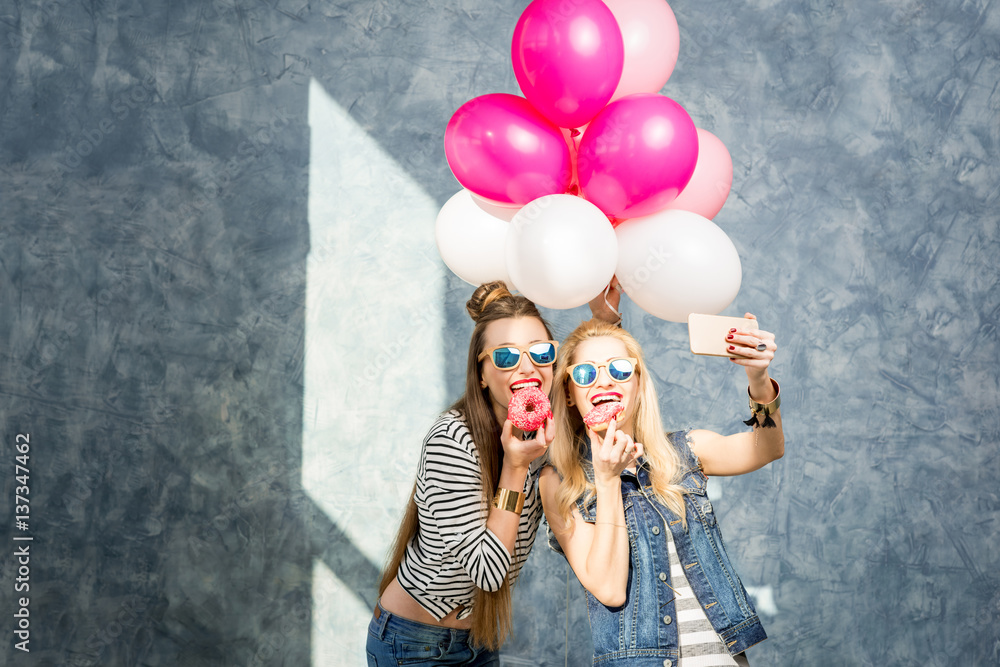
x,y
626,503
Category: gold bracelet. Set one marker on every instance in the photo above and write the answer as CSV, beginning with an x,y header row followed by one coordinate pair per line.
x,y
610,523
766,409
512,501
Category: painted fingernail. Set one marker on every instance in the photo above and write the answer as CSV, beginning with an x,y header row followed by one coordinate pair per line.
x,y
732,348
729,337
732,331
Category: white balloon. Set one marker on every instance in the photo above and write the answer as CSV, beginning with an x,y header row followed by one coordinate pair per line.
x,y
471,236
505,213
561,251
673,263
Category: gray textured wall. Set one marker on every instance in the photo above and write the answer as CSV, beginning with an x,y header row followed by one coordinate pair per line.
x,y
157,223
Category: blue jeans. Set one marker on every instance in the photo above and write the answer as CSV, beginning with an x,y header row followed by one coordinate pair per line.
x,y
393,640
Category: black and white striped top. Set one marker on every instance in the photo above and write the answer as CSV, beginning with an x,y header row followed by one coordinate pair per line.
x,y
453,552
700,645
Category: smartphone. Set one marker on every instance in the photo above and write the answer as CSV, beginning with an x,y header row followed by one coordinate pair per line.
x,y
708,333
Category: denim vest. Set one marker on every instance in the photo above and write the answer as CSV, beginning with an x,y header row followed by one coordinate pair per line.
x,y
643,631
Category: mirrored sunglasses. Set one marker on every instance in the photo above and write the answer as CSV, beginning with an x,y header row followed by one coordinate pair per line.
x,y
620,370
505,357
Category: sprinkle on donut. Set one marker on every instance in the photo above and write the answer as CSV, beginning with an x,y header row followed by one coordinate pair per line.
x,y
529,408
599,417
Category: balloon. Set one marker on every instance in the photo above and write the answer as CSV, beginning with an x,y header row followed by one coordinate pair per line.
x,y
674,263
652,42
572,136
503,211
499,147
712,180
567,57
637,155
561,251
471,235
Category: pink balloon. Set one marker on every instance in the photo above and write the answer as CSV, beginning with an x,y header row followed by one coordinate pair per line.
x,y
572,135
501,148
652,42
567,57
712,180
637,155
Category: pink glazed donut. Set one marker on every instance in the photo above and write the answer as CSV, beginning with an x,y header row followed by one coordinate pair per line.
x,y
602,414
529,408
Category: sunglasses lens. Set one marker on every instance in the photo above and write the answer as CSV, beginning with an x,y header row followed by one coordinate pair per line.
x,y
584,374
543,354
620,369
506,357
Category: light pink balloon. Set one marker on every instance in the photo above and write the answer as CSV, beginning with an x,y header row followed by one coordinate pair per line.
x,y
652,42
637,155
501,148
567,57
712,180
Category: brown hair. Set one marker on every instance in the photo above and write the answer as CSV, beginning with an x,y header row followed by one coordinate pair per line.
x,y
491,611
647,426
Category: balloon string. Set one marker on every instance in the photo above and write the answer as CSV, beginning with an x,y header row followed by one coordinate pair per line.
x,y
607,303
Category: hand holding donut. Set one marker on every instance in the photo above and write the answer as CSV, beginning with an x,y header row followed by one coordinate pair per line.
x,y
520,452
613,452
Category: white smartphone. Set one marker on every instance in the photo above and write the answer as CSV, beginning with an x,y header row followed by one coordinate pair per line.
x,y
708,333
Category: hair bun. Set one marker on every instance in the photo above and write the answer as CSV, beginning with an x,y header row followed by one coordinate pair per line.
x,y
484,295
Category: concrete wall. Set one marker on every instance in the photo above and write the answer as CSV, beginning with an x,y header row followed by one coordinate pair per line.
x,y
216,217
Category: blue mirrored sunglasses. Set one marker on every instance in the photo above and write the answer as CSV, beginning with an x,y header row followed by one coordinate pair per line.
x,y
620,370
505,357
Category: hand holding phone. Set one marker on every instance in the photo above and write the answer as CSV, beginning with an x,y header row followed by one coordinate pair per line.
x,y
708,333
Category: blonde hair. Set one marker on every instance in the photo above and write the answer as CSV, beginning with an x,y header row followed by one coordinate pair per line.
x,y
491,610
569,447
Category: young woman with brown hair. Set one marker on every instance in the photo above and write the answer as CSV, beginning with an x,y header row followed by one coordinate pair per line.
x,y
445,596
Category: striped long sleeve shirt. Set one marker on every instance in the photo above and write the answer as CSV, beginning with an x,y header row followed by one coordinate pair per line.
x,y
453,552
